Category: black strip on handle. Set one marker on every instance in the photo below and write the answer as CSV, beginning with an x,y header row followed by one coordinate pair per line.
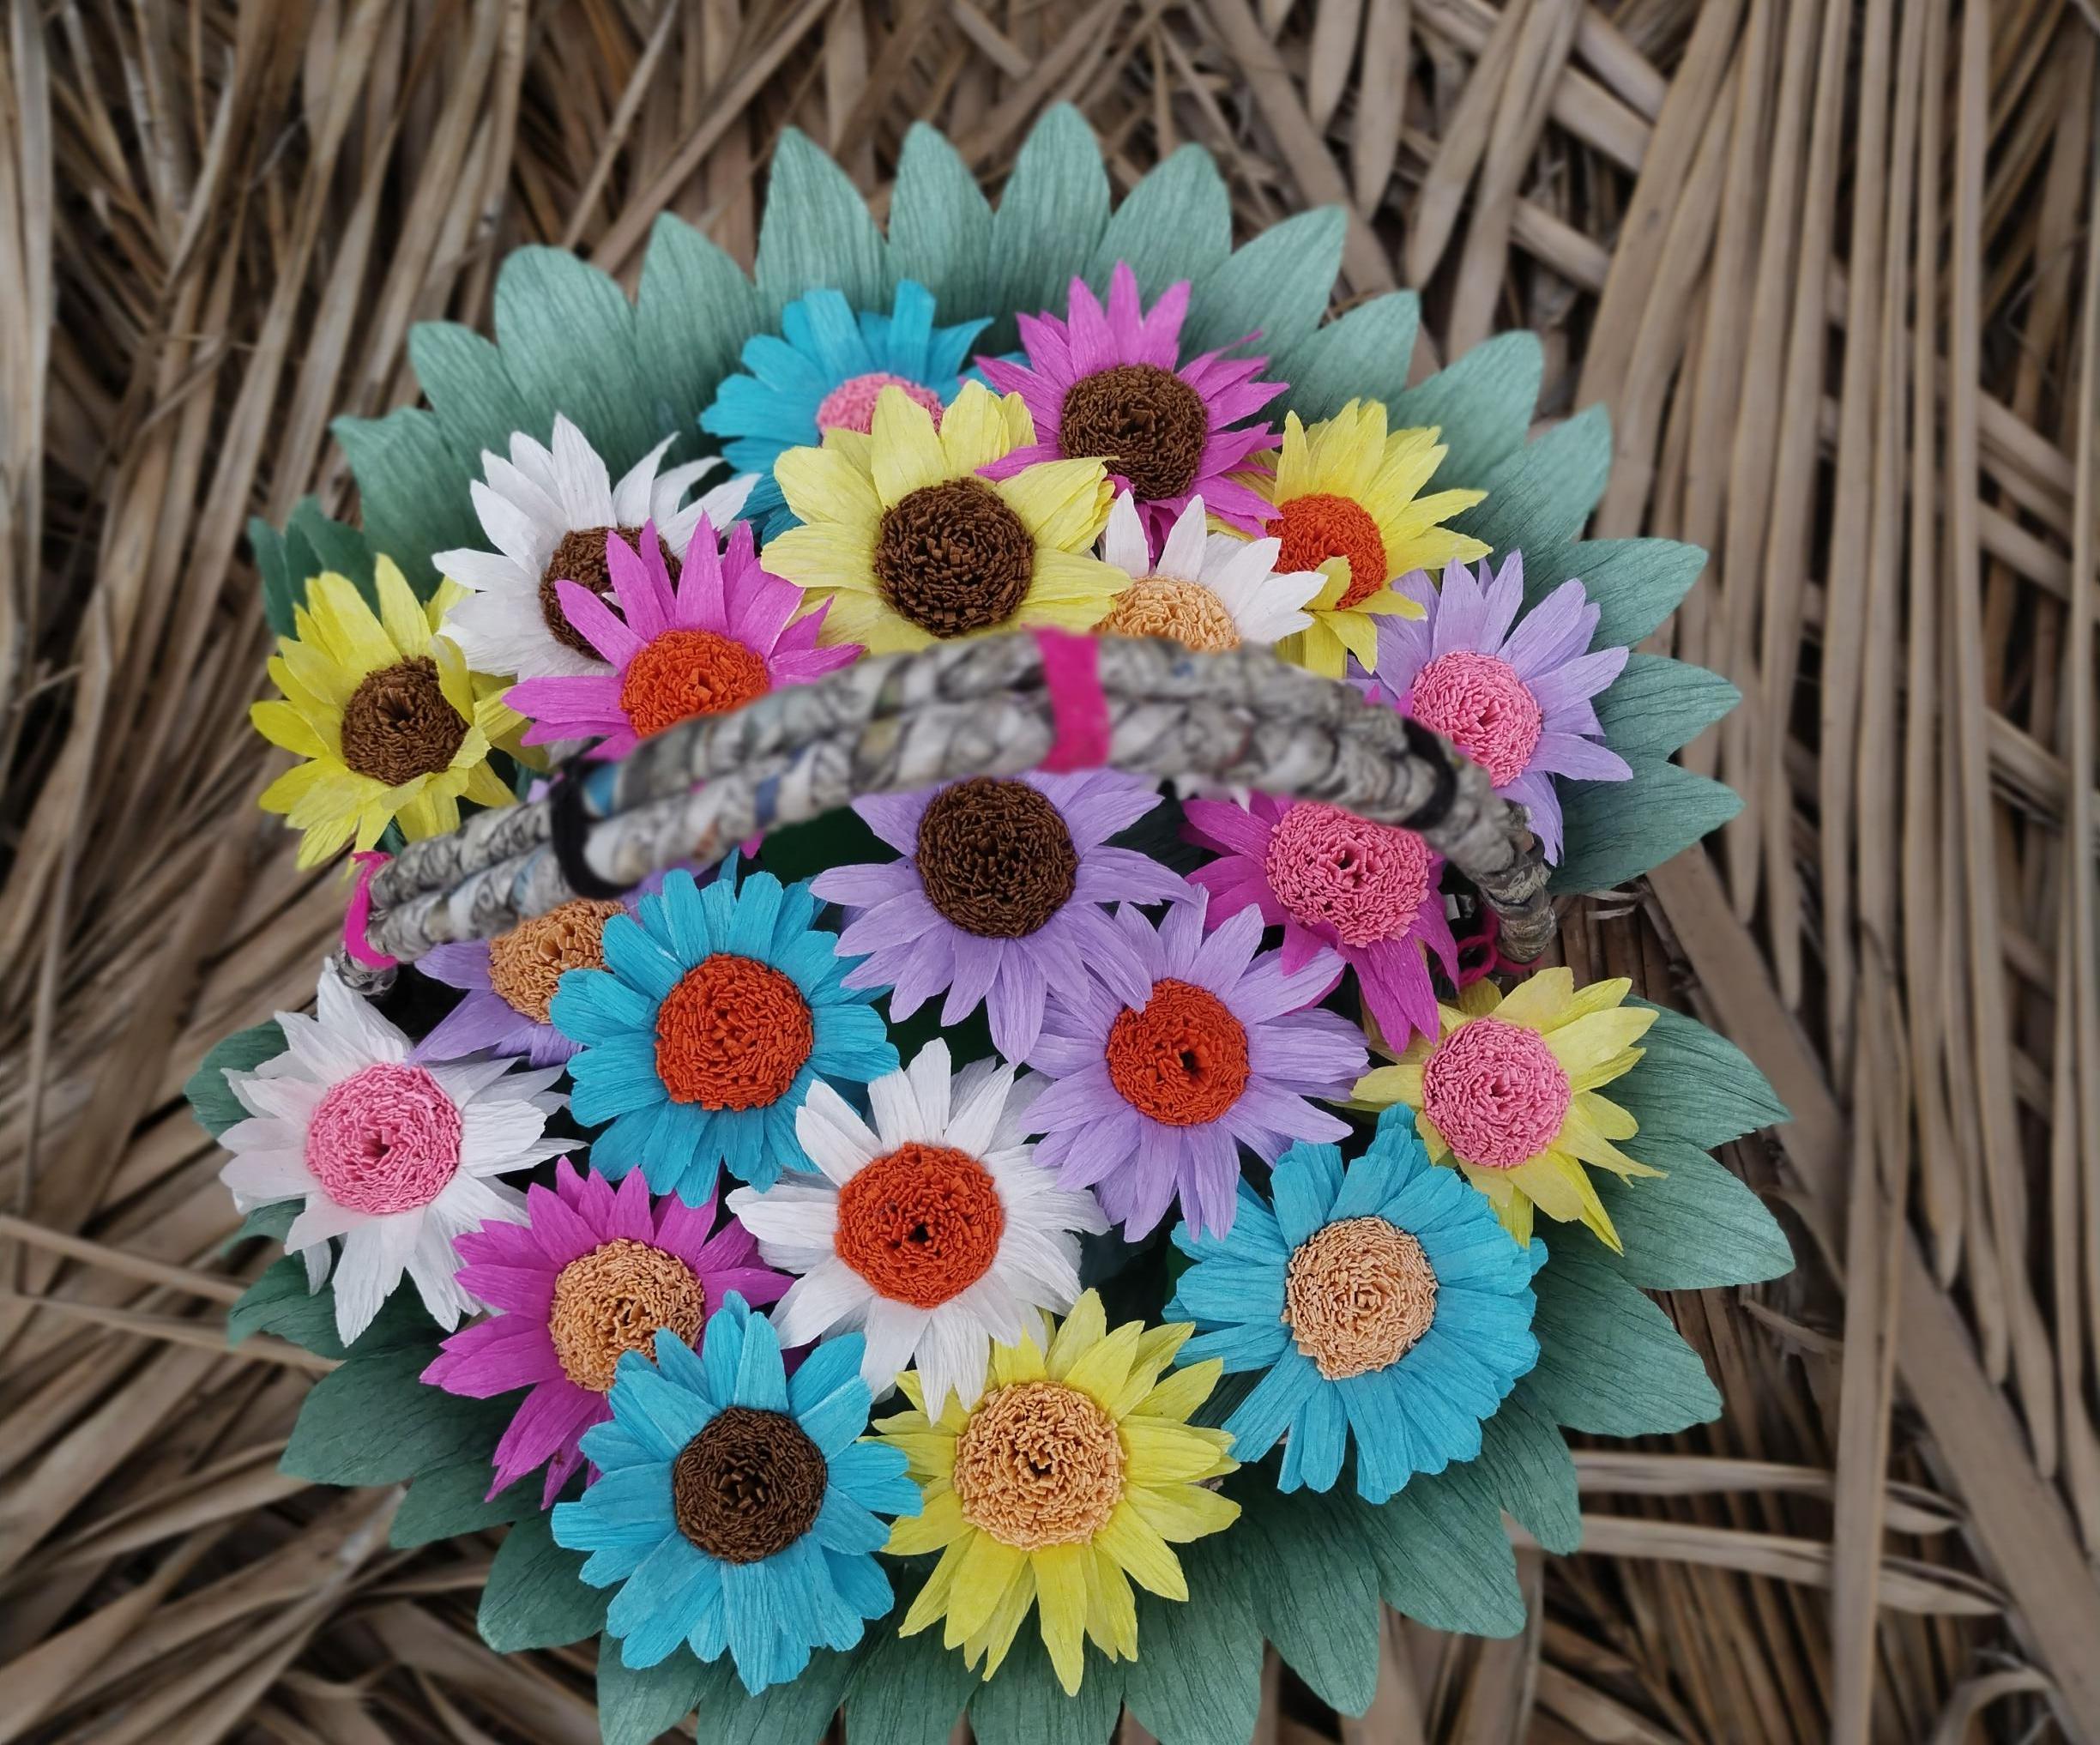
x,y
568,830
1425,745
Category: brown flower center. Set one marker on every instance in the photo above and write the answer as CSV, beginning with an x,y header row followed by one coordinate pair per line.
x,y
688,672
748,1485
1039,1464
996,857
732,1035
1181,1058
615,1300
1358,1295
526,965
952,557
921,1225
1186,613
398,724
1147,423
581,559
1320,526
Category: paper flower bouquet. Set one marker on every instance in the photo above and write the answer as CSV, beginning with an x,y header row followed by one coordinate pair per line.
x,y
933,1094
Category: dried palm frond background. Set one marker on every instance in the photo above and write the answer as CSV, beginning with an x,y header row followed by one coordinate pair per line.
x,y
1834,269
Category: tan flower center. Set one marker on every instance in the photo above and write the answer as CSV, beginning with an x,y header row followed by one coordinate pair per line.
x,y
1039,1464
1186,613
526,965
1358,1295
615,1300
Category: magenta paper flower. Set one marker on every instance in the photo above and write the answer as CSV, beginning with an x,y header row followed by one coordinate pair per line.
x,y
1329,878
1517,701
1153,1097
1109,384
998,898
594,1272
725,634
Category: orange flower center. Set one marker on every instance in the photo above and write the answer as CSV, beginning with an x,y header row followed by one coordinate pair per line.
x,y
1316,528
732,1035
1181,1058
1357,1295
921,1225
615,1300
1039,1464
688,672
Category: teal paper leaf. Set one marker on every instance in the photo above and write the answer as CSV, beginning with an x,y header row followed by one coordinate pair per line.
x,y
414,491
1314,1587
1610,1361
448,1501
469,391
536,1596
1526,1462
567,333
1364,353
371,1422
1636,583
1024,1704
1617,830
797,1713
1196,1679
1278,286
1657,705
1694,1085
271,1221
269,547
636,1704
818,231
280,1304
328,544
692,316
211,1099
1175,224
1695,1227
909,1690
1482,404
1443,1557
1543,494
940,225
1051,215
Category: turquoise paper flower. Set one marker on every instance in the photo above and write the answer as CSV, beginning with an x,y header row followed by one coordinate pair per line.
x,y
735,1509
822,371
1381,1299
715,1012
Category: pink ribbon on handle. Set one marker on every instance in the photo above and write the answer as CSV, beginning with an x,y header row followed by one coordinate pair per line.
x,y
1078,709
356,918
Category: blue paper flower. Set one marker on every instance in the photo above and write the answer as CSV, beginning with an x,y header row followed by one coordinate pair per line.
x,y
822,371
735,1508
1383,1299
715,1012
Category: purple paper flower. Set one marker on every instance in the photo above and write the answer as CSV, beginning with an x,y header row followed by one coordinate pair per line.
x,y
1153,1096
1517,701
1331,879
594,1272
1109,384
998,898
510,980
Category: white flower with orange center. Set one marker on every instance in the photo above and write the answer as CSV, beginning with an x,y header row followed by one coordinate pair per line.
x,y
1208,591
934,1231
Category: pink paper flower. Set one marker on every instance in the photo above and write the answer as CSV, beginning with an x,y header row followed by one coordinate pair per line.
x,y
1110,385
1329,878
594,1272
725,634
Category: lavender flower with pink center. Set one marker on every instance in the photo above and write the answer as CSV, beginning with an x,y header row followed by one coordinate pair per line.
x,y
1153,1097
998,895
1333,880
594,1272
1109,384
727,633
1515,700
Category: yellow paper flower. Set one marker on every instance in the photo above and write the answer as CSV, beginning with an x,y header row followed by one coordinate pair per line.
x,y
911,547
1509,1092
1346,496
1069,1477
393,726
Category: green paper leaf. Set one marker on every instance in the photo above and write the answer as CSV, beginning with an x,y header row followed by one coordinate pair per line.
x,y
1316,1593
1526,1462
468,388
327,544
1482,404
567,337
909,1690
269,547
1695,1227
1657,704
413,488
1175,224
1694,1085
695,310
536,1596
1024,1704
1617,830
1196,1679
1279,284
1610,1361
1636,583
1050,216
211,1099
279,1303
371,1422
637,1705
1442,1557
1365,352
1543,494
940,225
271,1221
448,1501
783,1714
817,230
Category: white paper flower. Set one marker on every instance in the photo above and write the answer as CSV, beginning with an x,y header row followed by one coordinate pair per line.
x,y
935,1233
1211,591
395,1158
547,510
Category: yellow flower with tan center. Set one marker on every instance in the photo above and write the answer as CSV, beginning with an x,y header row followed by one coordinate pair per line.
x,y
1075,1474
1348,498
393,727
1508,1091
911,547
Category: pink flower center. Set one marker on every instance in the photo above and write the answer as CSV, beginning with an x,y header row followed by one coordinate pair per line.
x,y
851,405
385,1139
1478,703
1496,1093
1344,876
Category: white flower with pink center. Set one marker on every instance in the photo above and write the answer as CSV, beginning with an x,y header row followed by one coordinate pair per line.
x,y
393,1157
1517,700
